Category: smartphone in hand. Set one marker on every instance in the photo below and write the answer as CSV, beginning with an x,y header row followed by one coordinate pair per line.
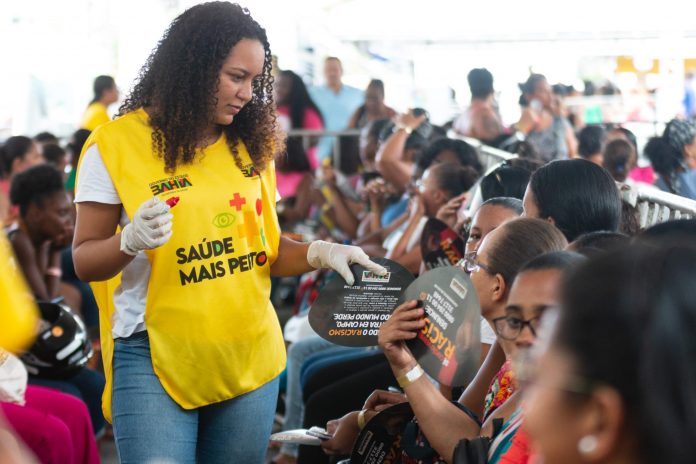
x,y
319,433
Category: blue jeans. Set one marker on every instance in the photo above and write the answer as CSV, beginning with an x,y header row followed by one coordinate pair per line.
x,y
150,427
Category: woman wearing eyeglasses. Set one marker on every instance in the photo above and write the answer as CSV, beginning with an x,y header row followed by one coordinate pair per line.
x,y
534,291
500,255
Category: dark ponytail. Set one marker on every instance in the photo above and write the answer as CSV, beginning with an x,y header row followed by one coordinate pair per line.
x,y
666,160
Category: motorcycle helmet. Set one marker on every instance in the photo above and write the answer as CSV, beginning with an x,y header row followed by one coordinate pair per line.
x,y
61,346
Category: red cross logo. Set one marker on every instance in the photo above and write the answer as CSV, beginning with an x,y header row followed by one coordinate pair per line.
x,y
237,202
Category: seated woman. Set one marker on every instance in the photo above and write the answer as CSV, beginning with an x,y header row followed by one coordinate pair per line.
x,y
45,229
17,154
577,196
534,290
297,110
493,269
56,427
439,184
374,107
673,156
616,382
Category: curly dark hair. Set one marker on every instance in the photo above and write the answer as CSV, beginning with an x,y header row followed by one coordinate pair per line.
x,y
180,78
35,185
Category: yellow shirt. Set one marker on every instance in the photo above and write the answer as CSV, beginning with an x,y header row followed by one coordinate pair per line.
x,y
18,312
95,115
213,331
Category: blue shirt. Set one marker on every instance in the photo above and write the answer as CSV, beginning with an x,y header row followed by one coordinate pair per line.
x,y
392,212
687,184
336,108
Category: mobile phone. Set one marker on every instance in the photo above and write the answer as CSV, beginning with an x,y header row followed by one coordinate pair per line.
x,y
419,112
319,433
536,105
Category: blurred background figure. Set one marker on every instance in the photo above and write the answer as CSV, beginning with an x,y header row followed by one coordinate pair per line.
x,y
481,119
297,110
373,108
105,94
336,101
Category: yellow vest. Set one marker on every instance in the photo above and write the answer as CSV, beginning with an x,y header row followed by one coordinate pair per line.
x,y
95,115
18,312
213,331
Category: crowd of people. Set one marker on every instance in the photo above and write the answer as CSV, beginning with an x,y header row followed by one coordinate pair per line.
x,y
587,319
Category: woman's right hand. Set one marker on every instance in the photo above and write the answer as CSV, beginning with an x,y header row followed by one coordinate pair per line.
x,y
528,121
344,432
151,227
410,120
404,324
448,212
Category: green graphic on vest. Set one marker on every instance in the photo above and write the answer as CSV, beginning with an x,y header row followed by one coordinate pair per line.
x,y
170,183
249,170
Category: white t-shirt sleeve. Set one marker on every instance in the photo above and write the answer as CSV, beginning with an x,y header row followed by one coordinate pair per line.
x,y
94,182
487,334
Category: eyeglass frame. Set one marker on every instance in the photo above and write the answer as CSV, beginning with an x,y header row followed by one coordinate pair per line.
x,y
524,323
470,264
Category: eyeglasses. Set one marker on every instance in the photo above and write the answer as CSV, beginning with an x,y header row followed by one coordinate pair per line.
x,y
471,264
510,328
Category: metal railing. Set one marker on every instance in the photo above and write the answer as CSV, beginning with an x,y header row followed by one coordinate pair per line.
x,y
309,135
490,157
655,206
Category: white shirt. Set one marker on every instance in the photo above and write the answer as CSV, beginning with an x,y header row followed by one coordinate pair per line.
x,y
95,185
487,333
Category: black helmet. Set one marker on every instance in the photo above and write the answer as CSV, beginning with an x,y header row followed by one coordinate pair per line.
x,y
61,347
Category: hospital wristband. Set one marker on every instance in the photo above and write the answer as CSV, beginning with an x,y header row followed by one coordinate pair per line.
x,y
411,376
361,419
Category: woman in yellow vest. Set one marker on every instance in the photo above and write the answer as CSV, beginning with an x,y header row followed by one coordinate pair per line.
x,y
105,93
191,343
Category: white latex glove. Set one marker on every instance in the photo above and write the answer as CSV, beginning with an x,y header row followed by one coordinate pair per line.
x,y
150,228
339,257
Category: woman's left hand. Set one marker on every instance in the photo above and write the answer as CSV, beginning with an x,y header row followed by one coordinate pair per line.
x,y
339,258
404,324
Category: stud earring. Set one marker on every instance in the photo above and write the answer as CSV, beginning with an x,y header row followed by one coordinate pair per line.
x,y
587,444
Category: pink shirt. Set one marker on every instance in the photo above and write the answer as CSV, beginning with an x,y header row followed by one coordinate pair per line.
x,y
311,121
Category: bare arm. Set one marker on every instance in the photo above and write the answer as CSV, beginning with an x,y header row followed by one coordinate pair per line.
x,y
303,201
390,162
382,233
96,247
345,218
292,259
571,142
443,423
43,286
474,395
411,260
